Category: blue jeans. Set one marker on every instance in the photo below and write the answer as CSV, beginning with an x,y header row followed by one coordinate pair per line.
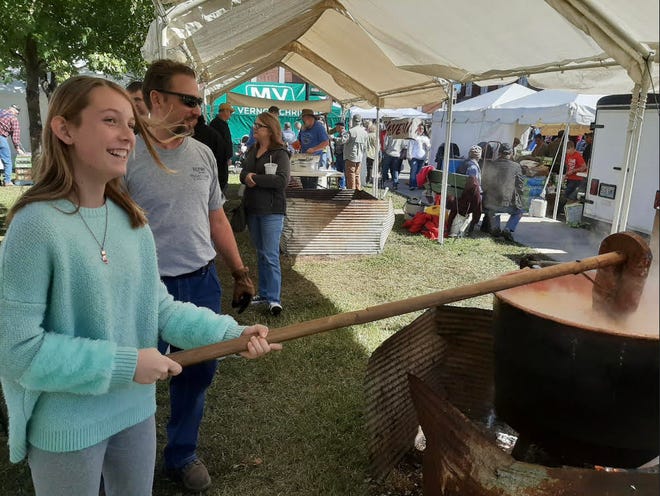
x,y
265,233
188,389
5,156
391,165
416,165
340,165
323,162
515,214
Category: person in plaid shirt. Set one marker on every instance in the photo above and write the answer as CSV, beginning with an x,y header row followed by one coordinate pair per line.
x,y
9,127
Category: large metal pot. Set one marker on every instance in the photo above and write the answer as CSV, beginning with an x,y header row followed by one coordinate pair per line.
x,y
584,391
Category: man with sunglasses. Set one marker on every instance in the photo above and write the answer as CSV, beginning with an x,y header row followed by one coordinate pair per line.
x,y
185,213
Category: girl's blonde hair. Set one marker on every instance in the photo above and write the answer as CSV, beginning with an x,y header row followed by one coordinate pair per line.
x,y
54,171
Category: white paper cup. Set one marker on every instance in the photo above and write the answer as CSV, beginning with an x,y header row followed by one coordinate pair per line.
x,y
271,168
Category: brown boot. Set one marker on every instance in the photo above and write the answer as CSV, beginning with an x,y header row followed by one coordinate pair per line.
x,y
194,476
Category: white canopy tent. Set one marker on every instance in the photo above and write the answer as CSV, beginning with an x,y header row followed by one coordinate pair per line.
x,y
400,113
230,42
469,123
372,52
550,110
547,108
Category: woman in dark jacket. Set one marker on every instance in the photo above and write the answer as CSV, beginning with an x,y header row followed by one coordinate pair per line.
x,y
265,205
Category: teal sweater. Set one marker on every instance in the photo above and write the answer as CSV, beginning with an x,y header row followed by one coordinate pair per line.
x,y
71,326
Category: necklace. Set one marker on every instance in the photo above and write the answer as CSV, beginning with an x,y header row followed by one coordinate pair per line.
x,y
104,255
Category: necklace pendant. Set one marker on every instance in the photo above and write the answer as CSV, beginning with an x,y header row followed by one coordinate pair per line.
x,y
104,256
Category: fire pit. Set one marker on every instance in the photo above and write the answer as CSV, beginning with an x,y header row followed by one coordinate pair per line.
x,y
575,394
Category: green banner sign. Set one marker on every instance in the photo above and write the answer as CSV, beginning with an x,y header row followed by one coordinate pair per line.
x,y
243,118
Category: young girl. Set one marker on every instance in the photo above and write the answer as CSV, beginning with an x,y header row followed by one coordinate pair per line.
x,y
265,205
82,307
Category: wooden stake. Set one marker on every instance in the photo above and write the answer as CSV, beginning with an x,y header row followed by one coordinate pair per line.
x,y
401,307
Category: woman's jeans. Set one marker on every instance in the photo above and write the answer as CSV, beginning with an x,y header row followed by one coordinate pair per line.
x,y
188,389
416,165
265,233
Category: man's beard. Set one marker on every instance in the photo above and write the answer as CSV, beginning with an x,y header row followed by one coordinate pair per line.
x,y
182,129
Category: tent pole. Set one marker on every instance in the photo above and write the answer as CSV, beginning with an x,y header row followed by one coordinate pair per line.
x,y
560,178
161,22
445,163
629,167
374,167
630,131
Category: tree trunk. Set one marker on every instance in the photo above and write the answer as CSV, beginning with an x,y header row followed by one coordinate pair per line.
x,y
32,72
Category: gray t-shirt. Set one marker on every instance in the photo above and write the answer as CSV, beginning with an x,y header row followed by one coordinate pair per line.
x,y
355,143
177,204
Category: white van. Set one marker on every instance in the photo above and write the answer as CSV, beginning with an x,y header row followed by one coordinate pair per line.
x,y
605,173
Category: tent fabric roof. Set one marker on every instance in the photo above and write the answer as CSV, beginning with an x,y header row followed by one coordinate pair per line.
x,y
473,109
480,41
386,53
547,107
322,45
370,113
494,98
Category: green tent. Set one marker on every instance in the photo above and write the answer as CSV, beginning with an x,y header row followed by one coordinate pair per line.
x,y
243,118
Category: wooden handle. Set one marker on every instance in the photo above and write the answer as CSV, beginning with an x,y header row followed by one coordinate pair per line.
x,y
400,307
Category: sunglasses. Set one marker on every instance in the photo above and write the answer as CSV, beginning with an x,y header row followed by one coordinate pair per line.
x,y
258,126
188,100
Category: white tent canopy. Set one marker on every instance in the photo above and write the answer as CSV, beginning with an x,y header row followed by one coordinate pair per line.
x,y
547,107
331,42
469,123
492,99
231,42
483,41
370,113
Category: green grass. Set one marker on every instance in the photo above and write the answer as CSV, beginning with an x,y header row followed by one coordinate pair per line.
x,y
293,422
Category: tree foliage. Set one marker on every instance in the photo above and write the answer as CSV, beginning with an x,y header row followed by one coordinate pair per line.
x,y
48,41
107,35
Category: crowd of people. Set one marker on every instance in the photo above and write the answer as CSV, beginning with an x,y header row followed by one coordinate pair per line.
x,y
109,262
501,183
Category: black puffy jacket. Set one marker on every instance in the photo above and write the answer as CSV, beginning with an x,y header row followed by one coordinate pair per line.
x,y
268,196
